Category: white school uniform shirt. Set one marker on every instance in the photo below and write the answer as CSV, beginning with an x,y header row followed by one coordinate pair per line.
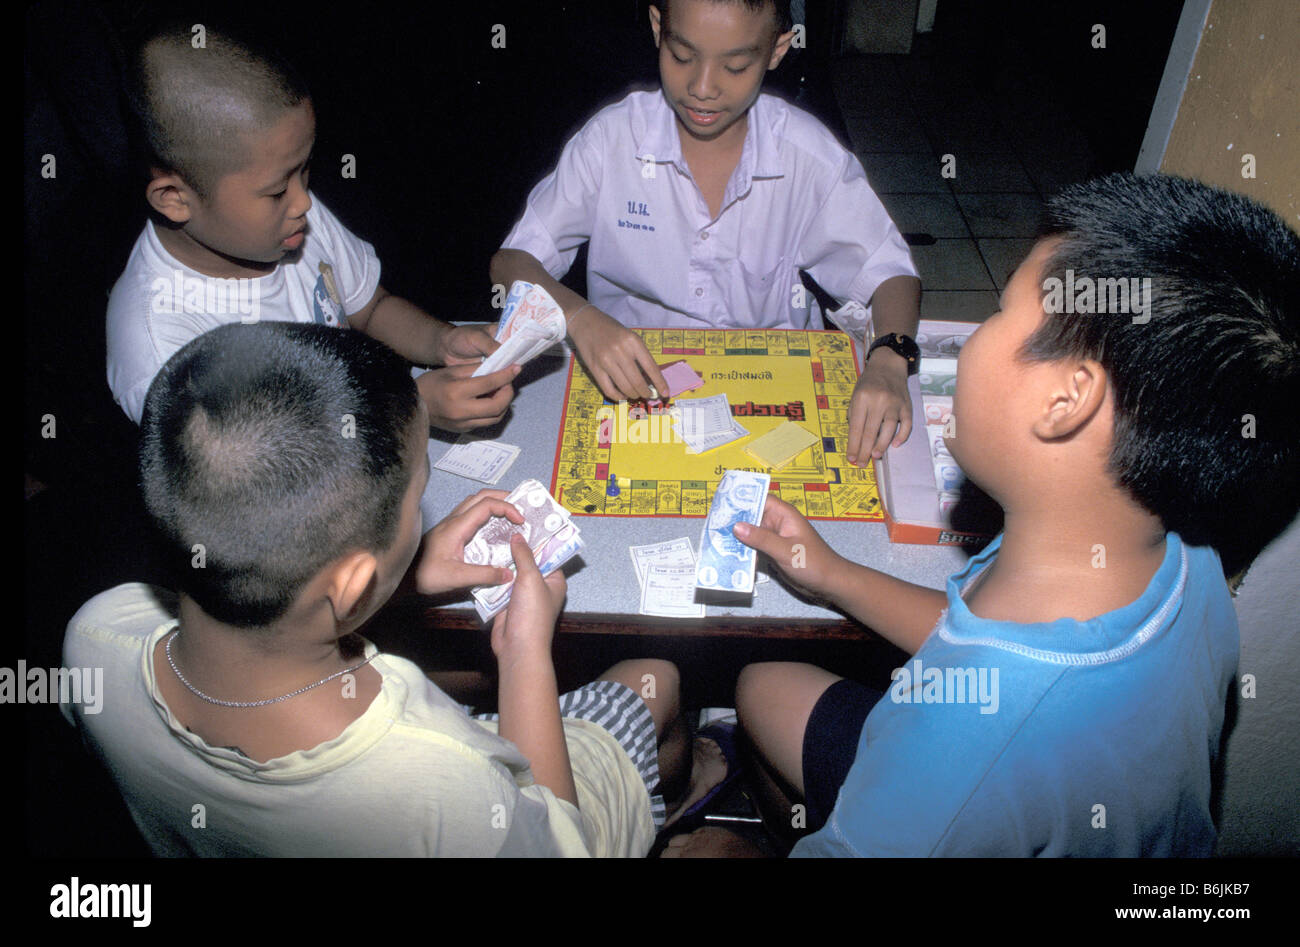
x,y
657,257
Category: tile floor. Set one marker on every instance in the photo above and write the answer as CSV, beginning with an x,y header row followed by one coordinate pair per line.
x,y
971,223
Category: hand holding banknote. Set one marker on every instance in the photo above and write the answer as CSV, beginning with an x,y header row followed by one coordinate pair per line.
x,y
794,547
547,527
442,565
459,401
531,322
463,345
527,625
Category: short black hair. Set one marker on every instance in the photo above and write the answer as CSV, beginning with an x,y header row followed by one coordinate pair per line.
x,y
784,21
1207,433
190,104
277,447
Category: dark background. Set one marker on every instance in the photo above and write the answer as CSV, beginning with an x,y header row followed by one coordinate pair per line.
x,y
449,135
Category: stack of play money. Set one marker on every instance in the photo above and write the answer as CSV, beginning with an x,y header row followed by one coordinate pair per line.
x,y
531,323
725,563
548,530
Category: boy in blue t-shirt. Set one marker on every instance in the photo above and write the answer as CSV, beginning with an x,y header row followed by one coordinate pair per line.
x,y
1067,692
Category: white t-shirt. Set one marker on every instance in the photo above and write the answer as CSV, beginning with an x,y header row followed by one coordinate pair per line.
x,y
158,303
797,200
412,776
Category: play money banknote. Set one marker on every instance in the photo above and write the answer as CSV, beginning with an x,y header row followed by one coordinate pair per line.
x,y
531,322
547,528
725,563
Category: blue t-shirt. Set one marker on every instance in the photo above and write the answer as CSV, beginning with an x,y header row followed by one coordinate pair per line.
x,y
1060,738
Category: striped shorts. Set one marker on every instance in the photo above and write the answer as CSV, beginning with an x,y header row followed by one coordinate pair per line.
x,y
618,710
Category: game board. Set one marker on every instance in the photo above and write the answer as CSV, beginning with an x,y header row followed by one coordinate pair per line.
x,y
769,376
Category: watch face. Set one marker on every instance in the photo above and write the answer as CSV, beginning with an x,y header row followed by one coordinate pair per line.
x,y
904,346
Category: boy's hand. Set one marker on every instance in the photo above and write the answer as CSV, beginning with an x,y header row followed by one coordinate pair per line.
x,y
464,345
880,406
527,625
794,546
458,402
442,566
617,359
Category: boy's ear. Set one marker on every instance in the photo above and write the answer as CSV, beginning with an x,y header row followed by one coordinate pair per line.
x,y
780,49
1073,400
351,585
169,195
655,23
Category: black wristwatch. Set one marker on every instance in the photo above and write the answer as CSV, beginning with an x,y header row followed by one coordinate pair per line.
x,y
904,345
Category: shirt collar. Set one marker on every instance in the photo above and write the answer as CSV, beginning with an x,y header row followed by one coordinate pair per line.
x,y
759,158
761,141
1066,641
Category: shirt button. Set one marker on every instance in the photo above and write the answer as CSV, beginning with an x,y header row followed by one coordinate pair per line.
x,y
699,292
705,235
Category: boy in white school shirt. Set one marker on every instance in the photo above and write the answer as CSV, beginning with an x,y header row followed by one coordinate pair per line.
x,y
702,202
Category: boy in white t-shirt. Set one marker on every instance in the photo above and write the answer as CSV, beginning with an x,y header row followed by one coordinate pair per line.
x,y
702,202
246,716
235,236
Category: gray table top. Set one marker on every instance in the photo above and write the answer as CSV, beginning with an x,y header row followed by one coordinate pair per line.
x,y
602,580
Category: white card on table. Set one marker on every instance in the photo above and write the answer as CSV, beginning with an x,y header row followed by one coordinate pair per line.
x,y
484,461
669,592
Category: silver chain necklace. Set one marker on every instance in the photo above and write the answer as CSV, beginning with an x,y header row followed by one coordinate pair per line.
x,y
251,703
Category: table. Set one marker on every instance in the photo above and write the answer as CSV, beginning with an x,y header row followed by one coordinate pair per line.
x,y
603,594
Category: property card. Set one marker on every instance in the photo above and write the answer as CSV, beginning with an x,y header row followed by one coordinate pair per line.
x,y
706,423
675,552
669,591
704,443
699,417
484,461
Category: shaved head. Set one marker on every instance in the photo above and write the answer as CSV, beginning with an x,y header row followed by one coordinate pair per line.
x,y
198,105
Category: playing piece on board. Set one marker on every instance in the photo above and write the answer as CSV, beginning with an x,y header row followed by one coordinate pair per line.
x,y
531,323
781,445
475,459
725,563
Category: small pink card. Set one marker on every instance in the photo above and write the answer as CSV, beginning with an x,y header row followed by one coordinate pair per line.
x,y
681,378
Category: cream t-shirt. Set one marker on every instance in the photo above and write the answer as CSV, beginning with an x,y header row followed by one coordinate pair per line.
x,y
413,775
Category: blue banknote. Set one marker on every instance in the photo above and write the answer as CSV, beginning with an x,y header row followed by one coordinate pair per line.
x,y
725,563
